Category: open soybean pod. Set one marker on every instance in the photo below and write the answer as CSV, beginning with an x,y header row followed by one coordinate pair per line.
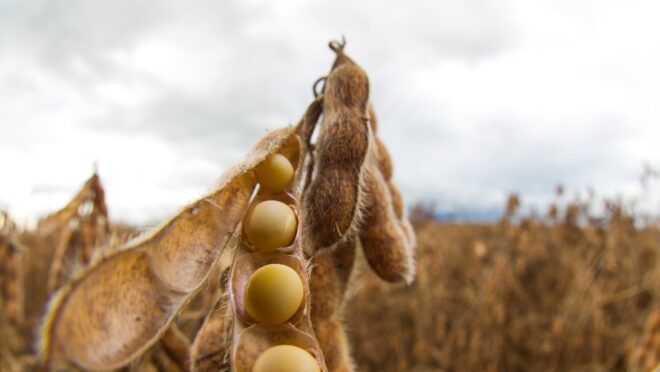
x,y
333,198
269,283
121,306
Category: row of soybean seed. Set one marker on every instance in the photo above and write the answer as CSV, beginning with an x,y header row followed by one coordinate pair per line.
x,y
275,292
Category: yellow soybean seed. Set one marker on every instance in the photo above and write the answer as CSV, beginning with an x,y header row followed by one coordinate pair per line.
x,y
273,294
285,358
271,224
275,173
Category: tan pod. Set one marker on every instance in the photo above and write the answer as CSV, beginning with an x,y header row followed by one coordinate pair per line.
x,y
252,335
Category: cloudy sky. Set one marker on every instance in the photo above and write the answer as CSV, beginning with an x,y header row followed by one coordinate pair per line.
x,y
476,99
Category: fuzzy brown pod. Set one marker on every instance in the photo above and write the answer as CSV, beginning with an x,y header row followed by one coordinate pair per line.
x,y
333,198
331,271
177,346
305,130
118,308
399,211
384,243
65,261
332,338
384,161
210,349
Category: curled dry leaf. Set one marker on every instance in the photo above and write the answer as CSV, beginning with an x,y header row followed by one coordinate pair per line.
x,y
118,308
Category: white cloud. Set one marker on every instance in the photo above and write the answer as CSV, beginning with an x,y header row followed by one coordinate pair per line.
x,y
475,98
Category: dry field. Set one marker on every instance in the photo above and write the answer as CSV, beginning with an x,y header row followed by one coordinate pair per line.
x,y
539,295
563,292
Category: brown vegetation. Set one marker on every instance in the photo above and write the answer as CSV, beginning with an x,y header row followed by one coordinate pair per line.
x,y
567,291
533,296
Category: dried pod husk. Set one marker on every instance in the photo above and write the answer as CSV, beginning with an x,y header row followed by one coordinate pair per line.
x,y
65,261
334,343
82,227
384,243
384,163
250,338
332,200
331,271
8,362
328,283
177,346
118,308
384,159
209,352
306,129
399,211
254,340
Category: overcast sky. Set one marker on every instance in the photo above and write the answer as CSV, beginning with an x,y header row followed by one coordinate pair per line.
x,y
476,99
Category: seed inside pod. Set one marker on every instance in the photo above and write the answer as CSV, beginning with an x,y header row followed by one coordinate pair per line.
x,y
273,294
275,173
285,358
271,224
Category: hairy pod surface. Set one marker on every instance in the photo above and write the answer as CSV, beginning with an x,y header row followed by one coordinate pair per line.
x,y
330,274
331,270
334,343
383,161
177,346
118,308
331,203
384,243
209,352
